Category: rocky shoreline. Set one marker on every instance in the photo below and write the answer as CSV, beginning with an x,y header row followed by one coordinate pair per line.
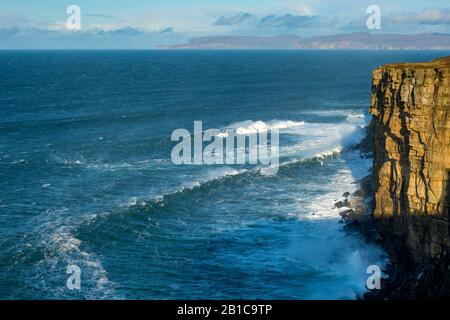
x,y
405,276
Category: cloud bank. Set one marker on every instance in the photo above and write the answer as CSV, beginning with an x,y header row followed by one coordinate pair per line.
x,y
234,20
111,31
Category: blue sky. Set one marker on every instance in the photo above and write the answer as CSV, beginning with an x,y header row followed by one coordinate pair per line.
x,y
33,23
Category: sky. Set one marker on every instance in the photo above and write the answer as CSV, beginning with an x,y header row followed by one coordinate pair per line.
x,y
147,23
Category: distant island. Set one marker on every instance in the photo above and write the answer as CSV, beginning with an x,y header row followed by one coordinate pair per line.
x,y
356,40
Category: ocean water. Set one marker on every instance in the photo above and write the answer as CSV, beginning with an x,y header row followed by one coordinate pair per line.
x,y
86,176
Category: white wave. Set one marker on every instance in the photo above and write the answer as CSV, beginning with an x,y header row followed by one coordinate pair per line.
x,y
217,173
328,153
207,176
66,247
307,140
323,208
20,161
191,182
325,246
54,235
319,140
69,162
110,166
132,201
252,127
355,117
344,181
350,114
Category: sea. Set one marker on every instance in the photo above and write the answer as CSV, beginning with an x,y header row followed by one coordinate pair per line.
x,y
87,182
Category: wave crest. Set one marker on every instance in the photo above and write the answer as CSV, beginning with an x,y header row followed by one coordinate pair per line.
x,y
253,127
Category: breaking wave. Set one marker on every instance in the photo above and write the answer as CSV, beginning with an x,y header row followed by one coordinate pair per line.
x,y
252,127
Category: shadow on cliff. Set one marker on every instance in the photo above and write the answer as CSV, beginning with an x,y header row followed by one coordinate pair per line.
x,y
446,207
417,245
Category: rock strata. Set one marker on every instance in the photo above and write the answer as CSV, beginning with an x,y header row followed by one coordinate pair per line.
x,y
411,169
411,175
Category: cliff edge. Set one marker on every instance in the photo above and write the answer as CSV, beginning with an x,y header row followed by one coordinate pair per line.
x,y
411,168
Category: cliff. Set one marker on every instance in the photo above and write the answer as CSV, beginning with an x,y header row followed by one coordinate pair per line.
x,y
411,132
411,167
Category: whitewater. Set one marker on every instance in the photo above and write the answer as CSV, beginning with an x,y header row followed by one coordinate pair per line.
x,y
87,178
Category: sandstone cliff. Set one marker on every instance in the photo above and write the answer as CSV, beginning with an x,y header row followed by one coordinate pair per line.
x,y
411,170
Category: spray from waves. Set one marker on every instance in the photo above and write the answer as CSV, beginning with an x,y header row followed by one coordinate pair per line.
x,y
216,175
323,208
356,117
50,248
349,115
252,127
327,247
101,165
133,166
66,248
309,141
312,142
318,140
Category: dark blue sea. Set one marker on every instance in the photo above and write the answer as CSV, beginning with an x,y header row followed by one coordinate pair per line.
x,y
86,176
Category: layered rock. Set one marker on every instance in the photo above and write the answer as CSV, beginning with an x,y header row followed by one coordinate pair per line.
x,y
411,170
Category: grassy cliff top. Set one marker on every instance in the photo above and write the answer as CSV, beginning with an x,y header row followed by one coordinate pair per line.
x,y
443,62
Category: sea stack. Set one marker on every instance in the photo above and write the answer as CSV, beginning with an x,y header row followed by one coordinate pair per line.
x,y
411,167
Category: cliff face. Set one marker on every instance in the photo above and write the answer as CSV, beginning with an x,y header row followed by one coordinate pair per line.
x,y
411,169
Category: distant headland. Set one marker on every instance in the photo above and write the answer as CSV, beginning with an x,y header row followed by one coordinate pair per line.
x,y
356,40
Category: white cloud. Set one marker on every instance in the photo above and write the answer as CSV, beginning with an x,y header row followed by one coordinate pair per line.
x,y
13,19
235,19
298,8
428,16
